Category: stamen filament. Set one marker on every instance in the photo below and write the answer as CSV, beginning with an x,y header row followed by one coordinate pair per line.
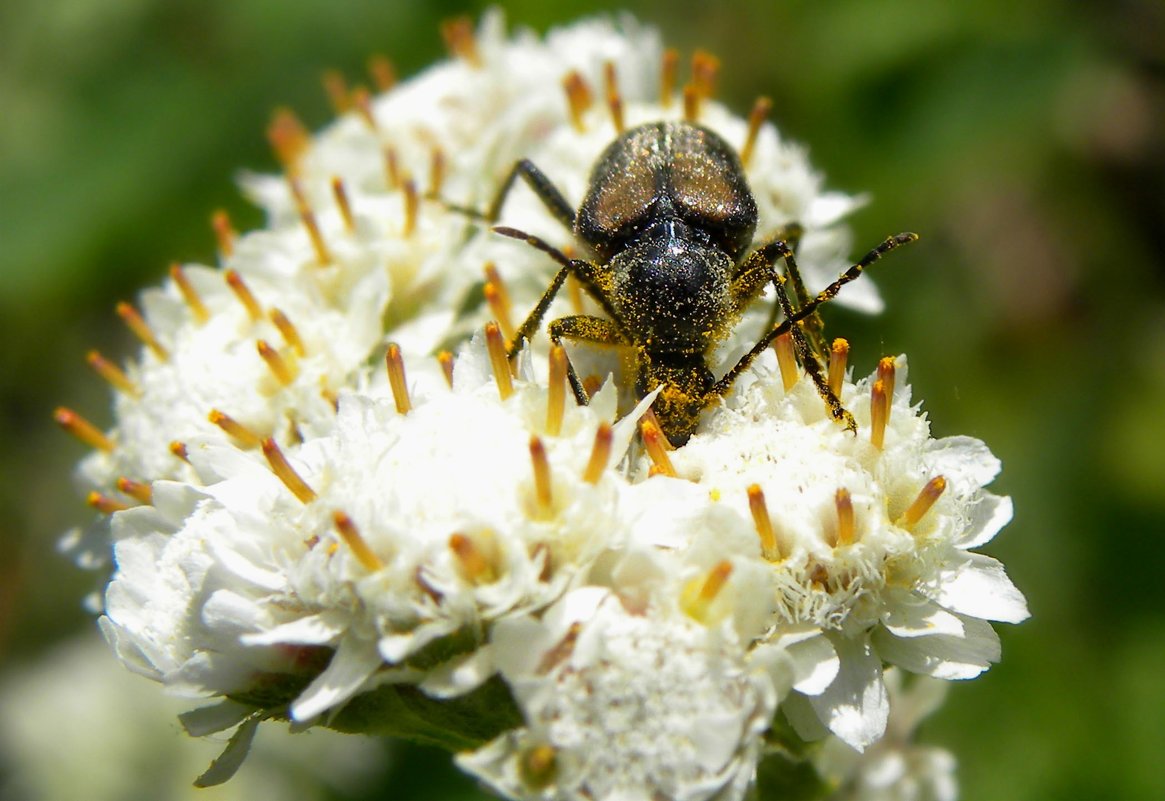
x,y
233,428
667,76
769,547
460,40
649,416
288,331
496,346
600,454
189,293
112,373
497,305
179,450
358,545
392,168
474,566
926,499
436,172
578,98
382,72
494,277
224,233
308,218
286,473
244,294
838,356
705,68
786,360
879,412
396,379
288,138
698,596
283,370
556,394
614,99
756,118
845,517
141,330
336,88
538,766
886,373
691,103
412,205
83,430
138,490
445,358
104,504
652,442
543,488
362,102
340,193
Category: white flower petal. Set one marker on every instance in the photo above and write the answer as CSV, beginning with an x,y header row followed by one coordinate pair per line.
x,y
352,665
855,706
979,587
942,656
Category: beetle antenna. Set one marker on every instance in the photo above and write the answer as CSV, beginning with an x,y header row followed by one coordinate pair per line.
x,y
533,241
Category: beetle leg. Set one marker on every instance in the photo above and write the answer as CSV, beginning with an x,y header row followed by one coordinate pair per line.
x,y
721,387
547,192
584,328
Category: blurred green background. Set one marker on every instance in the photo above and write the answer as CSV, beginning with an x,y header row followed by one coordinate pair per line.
x,y
1026,142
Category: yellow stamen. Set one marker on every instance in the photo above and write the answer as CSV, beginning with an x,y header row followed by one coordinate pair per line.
x,y
474,566
667,76
769,547
288,331
886,370
538,766
245,436
926,498
362,102
308,218
283,369
189,293
103,504
436,172
224,233
574,290
556,394
600,454
705,68
614,99
412,204
494,277
356,543
340,193
337,90
496,346
787,360
392,168
649,416
382,72
446,360
845,516
691,102
286,473
244,294
179,450
495,297
653,442
82,429
578,98
396,378
838,356
879,412
756,118
698,596
460,40
111,373
543,489
288,138
138,490
141,330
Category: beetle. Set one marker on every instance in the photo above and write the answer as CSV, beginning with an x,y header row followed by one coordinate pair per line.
x,y
669,219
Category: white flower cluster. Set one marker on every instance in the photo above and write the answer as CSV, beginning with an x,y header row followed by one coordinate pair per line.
x,y
303,528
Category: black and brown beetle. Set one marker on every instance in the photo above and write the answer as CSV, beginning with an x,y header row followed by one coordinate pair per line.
x,y
669,219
